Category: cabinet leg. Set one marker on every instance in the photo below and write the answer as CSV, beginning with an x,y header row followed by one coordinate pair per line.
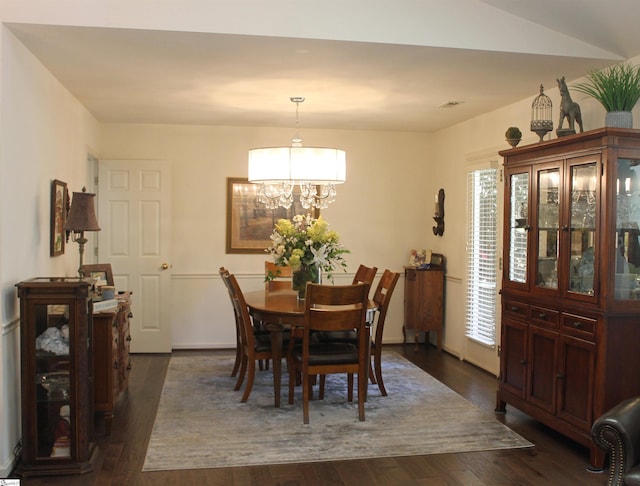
x,y
415,339
501,405
404,335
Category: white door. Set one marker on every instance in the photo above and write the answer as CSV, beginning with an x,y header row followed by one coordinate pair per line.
x,y
134,210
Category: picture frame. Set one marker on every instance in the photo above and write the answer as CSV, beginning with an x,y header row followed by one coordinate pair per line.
x,y
249,222
101,272
59,209
419,257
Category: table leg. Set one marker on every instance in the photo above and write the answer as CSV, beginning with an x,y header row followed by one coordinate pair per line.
x,y
275,331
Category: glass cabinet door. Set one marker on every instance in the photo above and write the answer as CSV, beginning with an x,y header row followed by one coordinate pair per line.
x,y
627,228
548,222
518,226
54,407
582,227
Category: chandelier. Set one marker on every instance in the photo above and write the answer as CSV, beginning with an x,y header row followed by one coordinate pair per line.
x,y
316,170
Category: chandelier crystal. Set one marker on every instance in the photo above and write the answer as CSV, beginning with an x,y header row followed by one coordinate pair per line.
x,y
316,170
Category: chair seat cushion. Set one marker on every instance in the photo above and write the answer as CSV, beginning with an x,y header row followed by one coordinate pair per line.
x,y
328,353
263,341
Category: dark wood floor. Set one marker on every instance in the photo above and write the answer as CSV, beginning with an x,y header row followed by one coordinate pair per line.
x,y
554,461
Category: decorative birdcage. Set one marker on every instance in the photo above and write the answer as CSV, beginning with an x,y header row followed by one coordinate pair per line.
x,y
541,122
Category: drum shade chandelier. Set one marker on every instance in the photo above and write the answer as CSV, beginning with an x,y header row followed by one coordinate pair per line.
x,y
316,170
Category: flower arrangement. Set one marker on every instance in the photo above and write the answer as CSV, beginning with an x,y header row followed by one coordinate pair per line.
x,y
304,243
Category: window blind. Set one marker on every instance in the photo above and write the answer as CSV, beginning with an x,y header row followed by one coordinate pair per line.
x,y
481,256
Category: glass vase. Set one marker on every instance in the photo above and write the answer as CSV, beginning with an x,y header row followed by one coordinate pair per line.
x,y
299,279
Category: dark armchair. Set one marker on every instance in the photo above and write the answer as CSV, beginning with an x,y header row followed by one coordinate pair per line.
x,y
618,433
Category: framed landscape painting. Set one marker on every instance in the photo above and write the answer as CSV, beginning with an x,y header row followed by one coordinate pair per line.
x,y
249,222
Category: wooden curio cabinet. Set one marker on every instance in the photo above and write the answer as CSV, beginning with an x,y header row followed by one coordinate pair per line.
x,y
571,280
56,377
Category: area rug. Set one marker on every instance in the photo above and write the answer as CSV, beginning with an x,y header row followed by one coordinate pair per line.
x,y
200,422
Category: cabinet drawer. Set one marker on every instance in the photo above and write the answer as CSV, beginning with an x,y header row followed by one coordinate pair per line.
x,y
579,325
515,309
545,317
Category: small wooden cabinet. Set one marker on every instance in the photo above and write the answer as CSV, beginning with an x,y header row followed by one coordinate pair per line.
x,y
423,301
112,340
571,280
56,377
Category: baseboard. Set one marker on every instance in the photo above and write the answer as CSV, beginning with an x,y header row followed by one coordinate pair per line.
x,y
6,468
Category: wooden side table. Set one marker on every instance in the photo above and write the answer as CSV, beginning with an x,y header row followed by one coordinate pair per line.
x,y
423,302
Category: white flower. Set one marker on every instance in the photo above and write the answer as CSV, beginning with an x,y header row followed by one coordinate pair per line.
x,y
320,256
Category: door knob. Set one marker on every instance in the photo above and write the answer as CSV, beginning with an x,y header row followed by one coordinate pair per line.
x,y
165,266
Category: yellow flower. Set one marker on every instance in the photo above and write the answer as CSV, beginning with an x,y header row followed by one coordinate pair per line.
x,y
307,242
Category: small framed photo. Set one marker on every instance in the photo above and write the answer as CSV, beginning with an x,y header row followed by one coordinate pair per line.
x,y
101,273
59,209
418,258
249,222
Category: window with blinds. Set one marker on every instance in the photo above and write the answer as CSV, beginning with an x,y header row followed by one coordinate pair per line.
x,y
481,256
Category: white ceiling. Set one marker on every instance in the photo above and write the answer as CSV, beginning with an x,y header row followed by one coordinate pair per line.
x,y
485,54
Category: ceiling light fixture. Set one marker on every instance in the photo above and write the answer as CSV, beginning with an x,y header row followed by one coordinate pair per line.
x,y
316,170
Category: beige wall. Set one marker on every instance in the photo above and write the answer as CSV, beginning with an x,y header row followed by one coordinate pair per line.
x,y
381,211
45,134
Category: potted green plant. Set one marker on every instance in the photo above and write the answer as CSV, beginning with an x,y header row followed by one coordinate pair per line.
x,y
617,89
513,136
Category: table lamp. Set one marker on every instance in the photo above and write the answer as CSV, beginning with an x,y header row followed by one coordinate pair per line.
x,y
81,218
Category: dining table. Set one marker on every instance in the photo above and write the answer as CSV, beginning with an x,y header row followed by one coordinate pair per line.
x,y
279,310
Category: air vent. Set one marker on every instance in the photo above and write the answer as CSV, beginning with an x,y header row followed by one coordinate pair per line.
x,y
450,104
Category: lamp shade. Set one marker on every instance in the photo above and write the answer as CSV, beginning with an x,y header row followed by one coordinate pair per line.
x,y
82,214
317,165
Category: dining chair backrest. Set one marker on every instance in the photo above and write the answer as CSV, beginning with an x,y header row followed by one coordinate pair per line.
x,y
280,277
365,274
241,310
236,366
382,297
224,274
336,308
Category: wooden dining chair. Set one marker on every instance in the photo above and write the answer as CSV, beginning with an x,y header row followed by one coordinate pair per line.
x,y
382,297
365,274
279,276
236,365
255,347
332,308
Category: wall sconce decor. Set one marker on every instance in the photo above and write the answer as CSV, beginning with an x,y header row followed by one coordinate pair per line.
x,y
81,218
438,216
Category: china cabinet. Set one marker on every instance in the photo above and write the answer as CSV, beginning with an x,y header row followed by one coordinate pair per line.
x,y
571,280
112,340
424,302
56,376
